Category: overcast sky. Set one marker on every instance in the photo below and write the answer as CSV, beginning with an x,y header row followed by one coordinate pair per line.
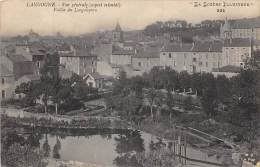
x,y
17,18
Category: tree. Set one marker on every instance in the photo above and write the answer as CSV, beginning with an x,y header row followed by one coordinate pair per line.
x,y
184,78
154,99
121,85
24,156
46,147
137,85
208,101
223,89
187,103
132,105
170,103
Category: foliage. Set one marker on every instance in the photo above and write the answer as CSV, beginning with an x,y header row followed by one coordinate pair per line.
x,y
23,156
187,103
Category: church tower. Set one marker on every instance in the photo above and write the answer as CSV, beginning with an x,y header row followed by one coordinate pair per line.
x,y
225,30
118,35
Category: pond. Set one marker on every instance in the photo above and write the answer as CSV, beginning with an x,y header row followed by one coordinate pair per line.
x,y
108,147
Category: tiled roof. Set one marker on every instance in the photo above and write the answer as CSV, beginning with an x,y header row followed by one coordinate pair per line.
x,y
35,51
79,53
95,75
215,46
5,71
119,51
23,68
63,47
17,58
245,23
237,42
148,53
177,48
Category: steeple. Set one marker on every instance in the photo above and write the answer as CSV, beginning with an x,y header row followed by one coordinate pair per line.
x,y
118,27
118,35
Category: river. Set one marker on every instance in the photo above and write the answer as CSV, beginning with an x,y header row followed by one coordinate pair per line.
x,y
108,148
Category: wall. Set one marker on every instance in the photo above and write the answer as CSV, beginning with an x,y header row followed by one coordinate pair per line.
x,y
121,59
227,74
235,55
71,63
8,86
145,64
191,61
87,64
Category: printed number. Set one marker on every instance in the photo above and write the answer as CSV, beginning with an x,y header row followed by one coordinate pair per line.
x,y
220,10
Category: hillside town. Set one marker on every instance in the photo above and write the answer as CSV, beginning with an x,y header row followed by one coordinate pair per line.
x,y
196,84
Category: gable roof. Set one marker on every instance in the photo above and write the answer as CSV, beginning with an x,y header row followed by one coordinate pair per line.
x,y
16,58
148,53
94,76
120,51
215,46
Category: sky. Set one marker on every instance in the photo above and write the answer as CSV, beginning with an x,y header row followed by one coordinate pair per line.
x,y
17,18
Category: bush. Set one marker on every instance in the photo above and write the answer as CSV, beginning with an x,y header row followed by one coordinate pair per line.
x,y
72,104
187,103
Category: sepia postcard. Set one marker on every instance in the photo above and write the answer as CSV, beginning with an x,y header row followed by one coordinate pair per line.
x,y
130,83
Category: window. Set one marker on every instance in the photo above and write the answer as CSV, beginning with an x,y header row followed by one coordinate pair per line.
x,y
139,64
206,64
3,81
194,59
38,64
170,55
3,94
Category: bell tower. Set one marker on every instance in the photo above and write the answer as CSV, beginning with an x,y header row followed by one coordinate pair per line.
x,y
118,35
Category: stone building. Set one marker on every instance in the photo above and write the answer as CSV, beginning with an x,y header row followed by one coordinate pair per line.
x,y
80,62
18,65
242,28
195,57
121,56
145,60
236,51
7,82
107,69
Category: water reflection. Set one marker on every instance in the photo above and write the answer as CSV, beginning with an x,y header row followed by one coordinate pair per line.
x,y
56,149
127,146
46,147
101,146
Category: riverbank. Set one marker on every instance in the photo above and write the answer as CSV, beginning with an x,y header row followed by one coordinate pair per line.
x,y
158,129
170,133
